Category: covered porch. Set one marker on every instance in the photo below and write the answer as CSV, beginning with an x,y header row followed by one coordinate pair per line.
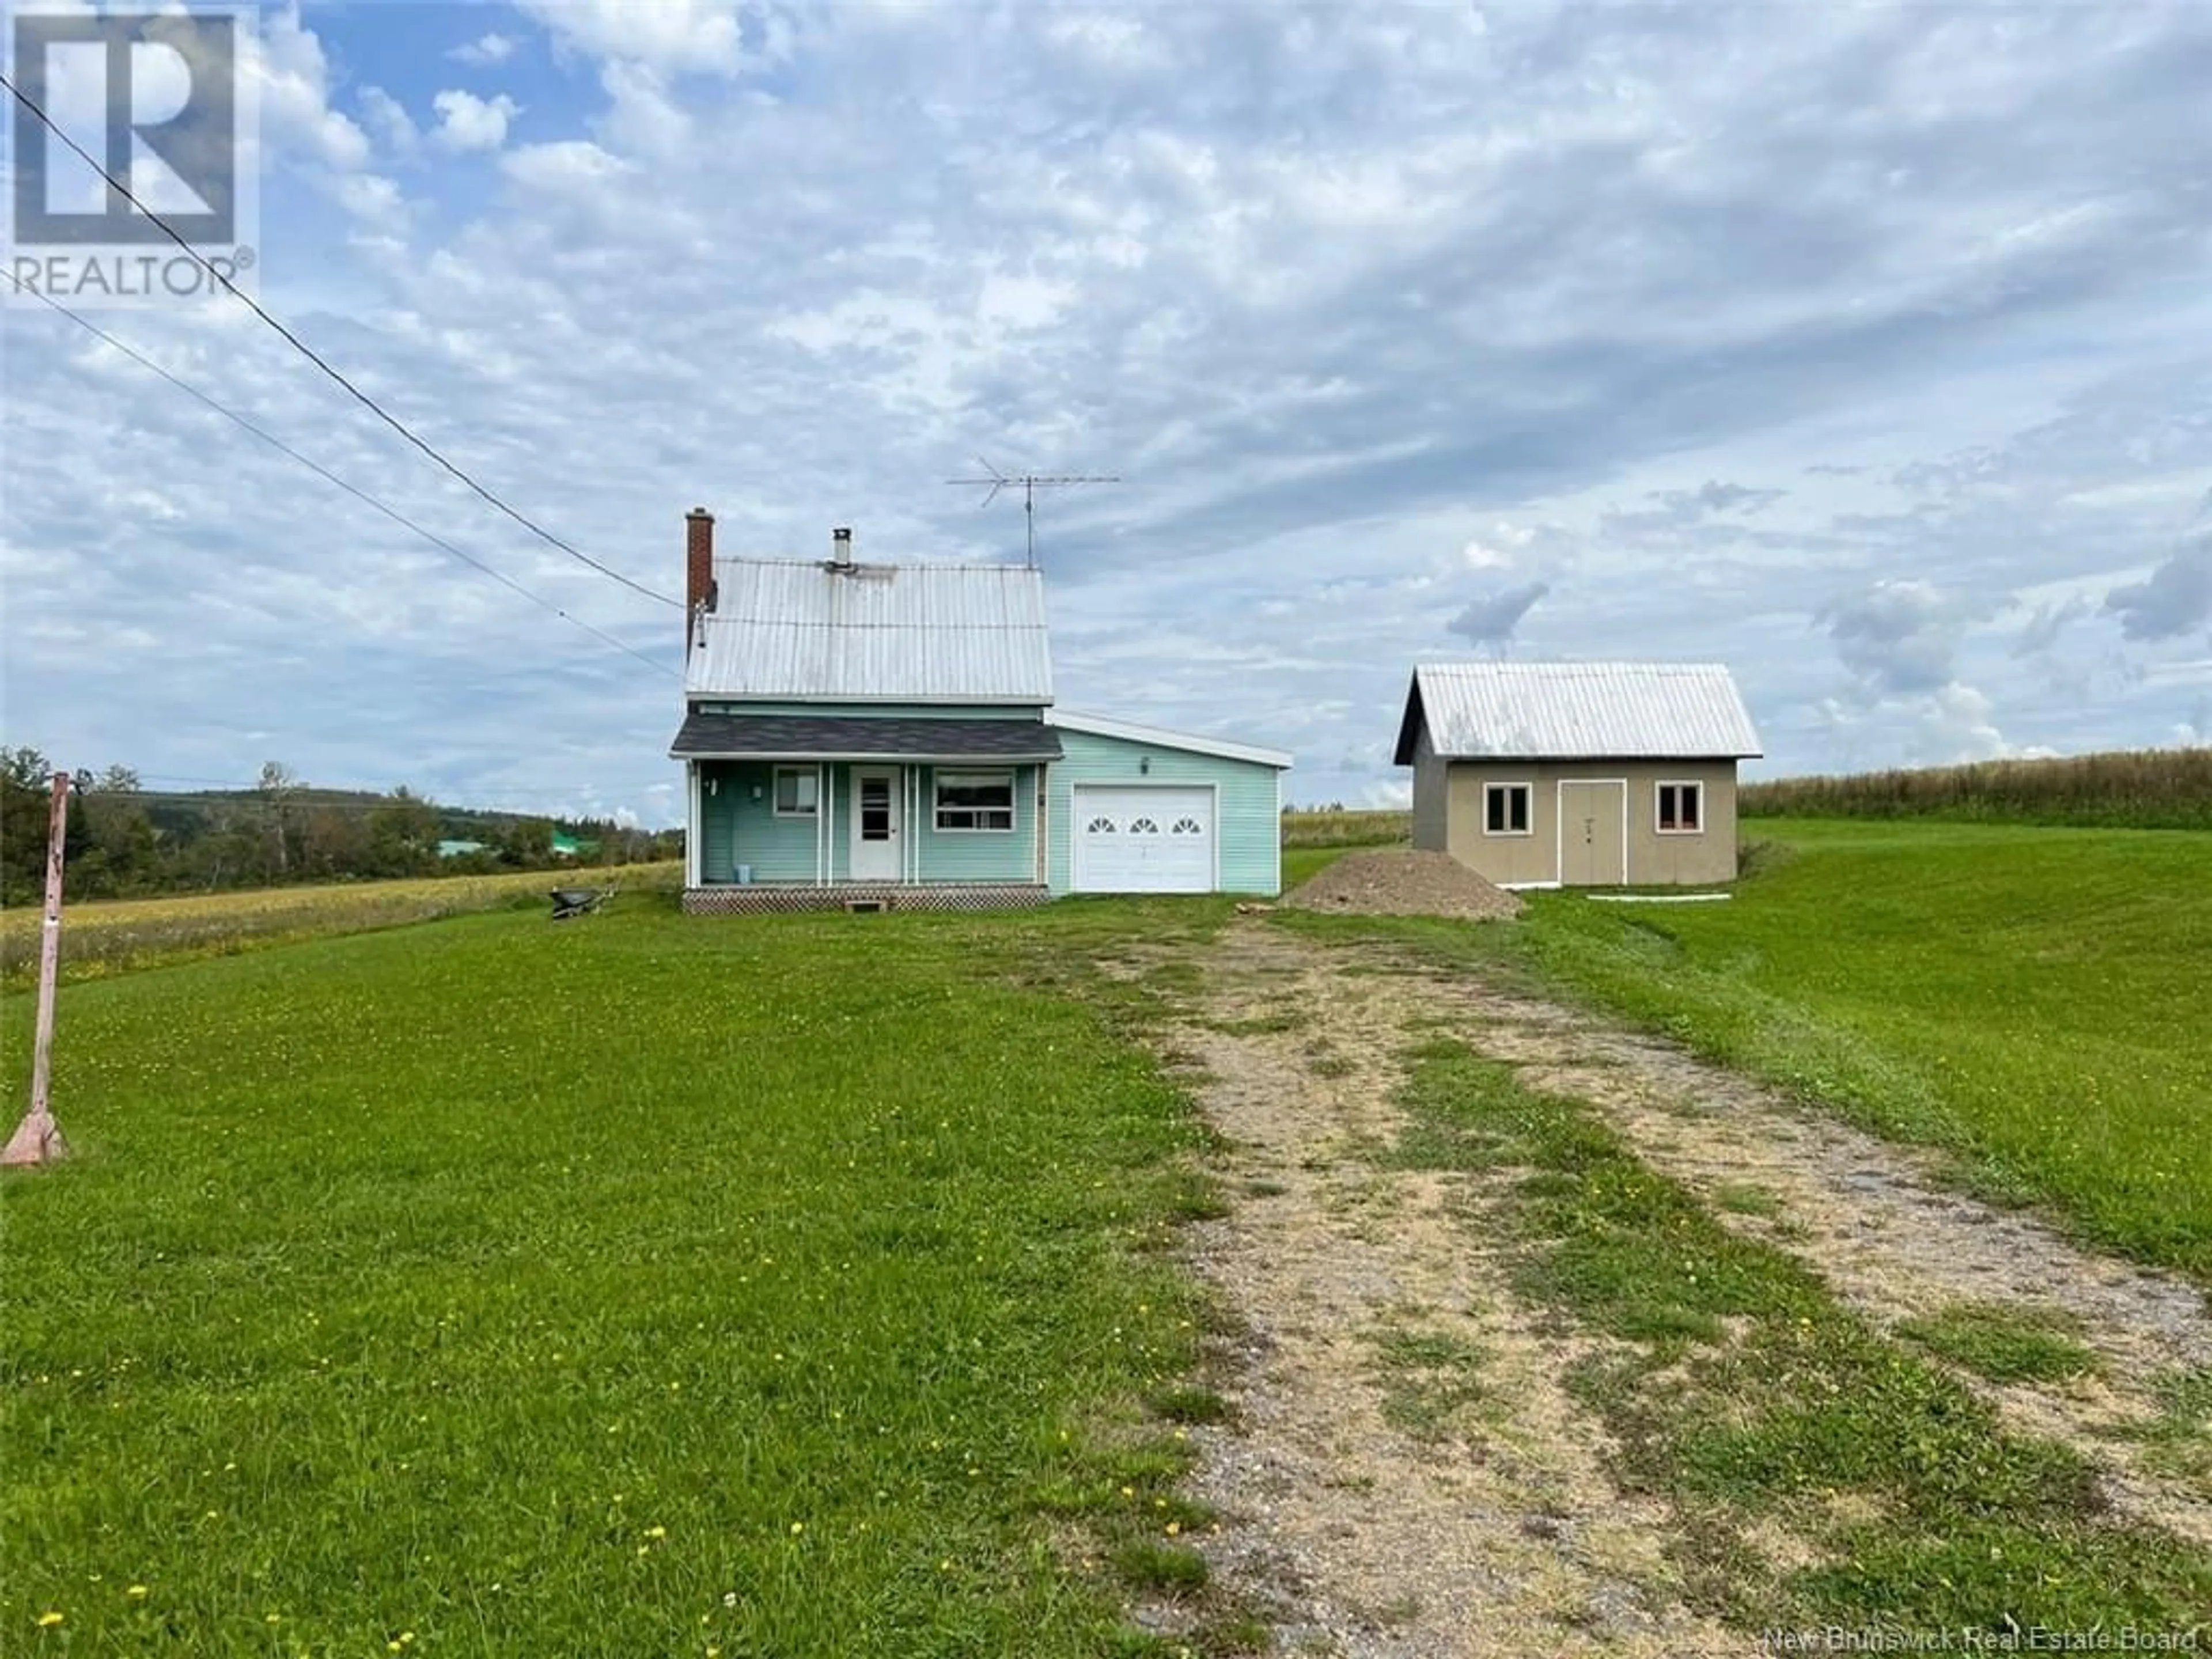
x,y
799,812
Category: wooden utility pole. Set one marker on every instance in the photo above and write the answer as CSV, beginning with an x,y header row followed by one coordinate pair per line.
x,y
38,1137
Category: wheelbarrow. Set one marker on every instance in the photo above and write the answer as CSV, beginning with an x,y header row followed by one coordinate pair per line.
x,y
578,901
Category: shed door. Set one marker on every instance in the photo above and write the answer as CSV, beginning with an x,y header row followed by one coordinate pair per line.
x,y
1152,838
1592,835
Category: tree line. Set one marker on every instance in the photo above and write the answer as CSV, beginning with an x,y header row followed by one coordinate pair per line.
x,y
126,841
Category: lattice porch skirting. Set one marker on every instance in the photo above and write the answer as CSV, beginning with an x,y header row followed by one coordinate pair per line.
x,y
756,898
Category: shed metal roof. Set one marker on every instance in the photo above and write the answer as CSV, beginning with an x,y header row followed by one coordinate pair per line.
x,y
807,737
909,633
1577,711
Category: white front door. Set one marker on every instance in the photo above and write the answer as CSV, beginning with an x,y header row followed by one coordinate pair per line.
x,y
876,816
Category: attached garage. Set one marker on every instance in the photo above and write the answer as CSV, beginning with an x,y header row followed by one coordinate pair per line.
x,y
1148,838
1134,809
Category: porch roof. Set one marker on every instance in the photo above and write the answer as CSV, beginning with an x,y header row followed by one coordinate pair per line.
x,y
806,737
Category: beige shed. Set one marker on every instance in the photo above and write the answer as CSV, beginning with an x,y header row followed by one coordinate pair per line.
x,y
1577,774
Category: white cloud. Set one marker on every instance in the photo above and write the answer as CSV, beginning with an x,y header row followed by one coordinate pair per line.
x,y
573,167
466,122
642,118
375,200
1494,549
389,120
1119,40
672,36
1021,302
293,85
485,50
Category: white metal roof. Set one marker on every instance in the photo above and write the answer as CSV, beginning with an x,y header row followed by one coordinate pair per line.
x,y
1577,711
909,633
1160,738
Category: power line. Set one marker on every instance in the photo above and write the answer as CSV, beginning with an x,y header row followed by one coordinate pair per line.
x,y
318,468
319,361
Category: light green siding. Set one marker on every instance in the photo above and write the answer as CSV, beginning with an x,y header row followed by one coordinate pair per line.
x,y
1248,818
979,855
736,828
739,830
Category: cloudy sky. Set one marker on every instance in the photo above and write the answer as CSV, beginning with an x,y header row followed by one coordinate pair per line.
x,y
1867,349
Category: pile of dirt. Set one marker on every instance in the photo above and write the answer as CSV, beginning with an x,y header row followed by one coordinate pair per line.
x,y
1404,885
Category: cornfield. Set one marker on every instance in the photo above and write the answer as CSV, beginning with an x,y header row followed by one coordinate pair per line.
x,y
2132,789
100,939
1338,827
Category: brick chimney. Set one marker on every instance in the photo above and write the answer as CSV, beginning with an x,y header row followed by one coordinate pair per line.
x,y
698,570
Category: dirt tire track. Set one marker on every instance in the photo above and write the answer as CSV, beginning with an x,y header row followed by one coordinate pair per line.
x,y
1506,1536
1502,1536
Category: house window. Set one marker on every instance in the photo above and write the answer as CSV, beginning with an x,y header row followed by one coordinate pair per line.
x,y
1144,827
1505,809
1187,827
794,791
1681,808
974,800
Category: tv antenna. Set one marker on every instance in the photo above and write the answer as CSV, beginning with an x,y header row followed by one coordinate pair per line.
x,y
1028,483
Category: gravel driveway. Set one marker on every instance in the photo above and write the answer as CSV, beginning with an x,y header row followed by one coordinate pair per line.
x,y
1361,1522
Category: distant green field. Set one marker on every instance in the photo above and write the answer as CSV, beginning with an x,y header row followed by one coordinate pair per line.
x,y
630,1287
1338,826
122,936
2036,1000
2127,789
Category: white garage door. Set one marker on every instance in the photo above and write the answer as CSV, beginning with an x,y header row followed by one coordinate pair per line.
x,y
1156,839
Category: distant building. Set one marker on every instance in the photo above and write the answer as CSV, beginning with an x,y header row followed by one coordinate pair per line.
x,y
460,849
1577,774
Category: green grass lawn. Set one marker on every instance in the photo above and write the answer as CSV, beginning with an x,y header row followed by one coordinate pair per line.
x,y
2036,1000
633,1287
1738,1387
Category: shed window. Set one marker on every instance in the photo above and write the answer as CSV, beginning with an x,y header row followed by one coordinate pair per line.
x,y
974,800
794,791
1505,809
1681,808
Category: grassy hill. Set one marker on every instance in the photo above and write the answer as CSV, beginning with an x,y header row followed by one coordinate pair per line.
x,y
2030,1000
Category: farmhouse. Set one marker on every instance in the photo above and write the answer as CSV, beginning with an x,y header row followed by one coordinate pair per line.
x,y
885,735
1577,774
